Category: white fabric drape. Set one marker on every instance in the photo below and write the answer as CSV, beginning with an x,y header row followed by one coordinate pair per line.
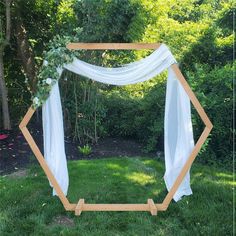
x,y
178,127
132,73
53,132
178,139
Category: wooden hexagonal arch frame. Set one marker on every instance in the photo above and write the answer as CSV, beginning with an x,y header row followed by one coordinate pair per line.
x,y
150,205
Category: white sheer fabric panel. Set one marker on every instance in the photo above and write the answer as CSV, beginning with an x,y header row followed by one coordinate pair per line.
x,y
178,134
178,127
132,73
53,132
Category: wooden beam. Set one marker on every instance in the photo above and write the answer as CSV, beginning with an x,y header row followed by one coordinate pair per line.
x,y
116,207
82,206
26,118
200,141
112,46
186,167
192,96
41,159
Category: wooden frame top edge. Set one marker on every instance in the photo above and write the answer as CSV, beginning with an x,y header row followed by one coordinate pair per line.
x,y
112,46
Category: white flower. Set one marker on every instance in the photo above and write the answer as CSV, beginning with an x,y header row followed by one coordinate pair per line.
x,y
36,101
45,63
48,81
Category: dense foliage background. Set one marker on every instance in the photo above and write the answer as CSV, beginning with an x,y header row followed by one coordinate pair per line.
x,y
198,32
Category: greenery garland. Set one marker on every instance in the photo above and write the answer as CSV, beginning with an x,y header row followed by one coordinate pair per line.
x,y
57,56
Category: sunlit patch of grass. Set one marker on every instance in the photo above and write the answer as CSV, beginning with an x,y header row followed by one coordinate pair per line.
x,y
147,162
141,178
224,175
114,166
226,183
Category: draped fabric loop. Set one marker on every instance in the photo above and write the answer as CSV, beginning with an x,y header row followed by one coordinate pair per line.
x,y
178,133
131,73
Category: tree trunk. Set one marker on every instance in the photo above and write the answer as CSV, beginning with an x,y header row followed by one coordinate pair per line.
x,y
25,51
3,88
4,97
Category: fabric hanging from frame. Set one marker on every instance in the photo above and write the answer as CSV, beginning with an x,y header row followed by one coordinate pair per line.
x,y
178,126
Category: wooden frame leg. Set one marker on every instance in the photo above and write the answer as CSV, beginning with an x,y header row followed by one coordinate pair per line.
x,y
67,205
199,143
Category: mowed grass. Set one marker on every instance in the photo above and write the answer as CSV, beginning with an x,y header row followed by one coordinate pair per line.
x,y
28,208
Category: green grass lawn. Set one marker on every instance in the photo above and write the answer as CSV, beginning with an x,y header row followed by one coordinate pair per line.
x,y
28,208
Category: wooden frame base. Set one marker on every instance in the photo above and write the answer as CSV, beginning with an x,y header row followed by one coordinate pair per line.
x,y
150,205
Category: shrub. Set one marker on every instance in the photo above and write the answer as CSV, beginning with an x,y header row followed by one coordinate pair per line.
x,y
139,117
214,89
85,150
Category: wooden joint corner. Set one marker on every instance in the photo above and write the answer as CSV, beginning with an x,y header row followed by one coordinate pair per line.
x,y
70,207
152,207
161,207
79,207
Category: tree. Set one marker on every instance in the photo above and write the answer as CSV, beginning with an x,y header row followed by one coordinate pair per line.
x,y
5,35
24,49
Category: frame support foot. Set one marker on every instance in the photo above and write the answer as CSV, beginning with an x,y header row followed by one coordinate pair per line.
x,y
152,207
79,207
